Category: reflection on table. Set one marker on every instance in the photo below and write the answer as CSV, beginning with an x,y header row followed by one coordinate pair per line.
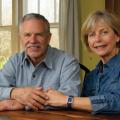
x,y
55,115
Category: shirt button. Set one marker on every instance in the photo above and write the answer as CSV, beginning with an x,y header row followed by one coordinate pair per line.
x,y
34,76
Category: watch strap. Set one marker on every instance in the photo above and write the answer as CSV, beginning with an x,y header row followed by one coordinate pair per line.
x,y
69,101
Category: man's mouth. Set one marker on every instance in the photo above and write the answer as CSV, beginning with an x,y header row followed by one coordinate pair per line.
x,y
33,46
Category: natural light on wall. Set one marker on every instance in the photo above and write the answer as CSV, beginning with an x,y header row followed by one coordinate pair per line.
x,y
49,9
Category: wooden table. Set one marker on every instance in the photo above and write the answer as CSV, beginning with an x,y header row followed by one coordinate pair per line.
x,y
54,115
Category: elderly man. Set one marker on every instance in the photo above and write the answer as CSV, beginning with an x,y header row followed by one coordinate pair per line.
x,y
27,75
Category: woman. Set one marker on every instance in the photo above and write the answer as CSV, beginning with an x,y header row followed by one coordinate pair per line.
x,y
101,91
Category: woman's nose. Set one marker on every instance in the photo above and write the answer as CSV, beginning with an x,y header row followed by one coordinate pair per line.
x,y
97,37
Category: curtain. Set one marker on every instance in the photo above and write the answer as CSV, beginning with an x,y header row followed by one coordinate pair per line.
x,y
69,32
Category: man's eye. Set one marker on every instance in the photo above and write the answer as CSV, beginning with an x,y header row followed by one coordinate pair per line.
x,y
27,35
40,34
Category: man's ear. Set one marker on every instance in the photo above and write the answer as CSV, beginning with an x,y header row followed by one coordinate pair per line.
x,y
49,36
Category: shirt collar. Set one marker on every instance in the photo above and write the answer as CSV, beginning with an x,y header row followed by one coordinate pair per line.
x,y
25,59
47,60
113,61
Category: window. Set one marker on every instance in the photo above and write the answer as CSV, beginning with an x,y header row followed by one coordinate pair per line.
x,y
49,9
5,30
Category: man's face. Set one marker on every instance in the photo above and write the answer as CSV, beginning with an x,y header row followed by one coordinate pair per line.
x,y
35,39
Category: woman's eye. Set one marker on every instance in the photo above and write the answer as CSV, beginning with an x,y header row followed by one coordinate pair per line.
x,y
91,35
104,32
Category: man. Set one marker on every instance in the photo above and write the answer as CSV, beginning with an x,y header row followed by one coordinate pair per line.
x,y
27,75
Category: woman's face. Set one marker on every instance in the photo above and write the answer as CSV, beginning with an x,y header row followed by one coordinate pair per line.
x,y
102,40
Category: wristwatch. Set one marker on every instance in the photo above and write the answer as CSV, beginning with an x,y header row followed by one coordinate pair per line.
x,y
69,101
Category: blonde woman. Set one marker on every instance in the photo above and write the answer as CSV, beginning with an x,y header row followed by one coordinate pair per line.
x,y
101,91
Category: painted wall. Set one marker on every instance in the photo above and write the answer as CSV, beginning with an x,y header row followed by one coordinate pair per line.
x,y
87,6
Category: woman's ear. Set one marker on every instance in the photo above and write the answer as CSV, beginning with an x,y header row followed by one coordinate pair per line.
x,y
118,43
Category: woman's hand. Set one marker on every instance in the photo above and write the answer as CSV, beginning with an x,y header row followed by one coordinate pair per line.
x,y
56,98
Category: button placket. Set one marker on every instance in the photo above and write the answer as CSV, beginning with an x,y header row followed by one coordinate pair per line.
x,y
98,83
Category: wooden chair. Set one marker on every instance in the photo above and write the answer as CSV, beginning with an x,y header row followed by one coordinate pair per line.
x,y
85,69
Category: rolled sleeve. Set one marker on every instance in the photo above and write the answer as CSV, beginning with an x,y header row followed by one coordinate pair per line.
x,y
6,93
107,103
99,103
7,79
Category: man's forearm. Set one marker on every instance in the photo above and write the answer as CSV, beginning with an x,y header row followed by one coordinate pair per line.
x,y
16,92
10,105
3,105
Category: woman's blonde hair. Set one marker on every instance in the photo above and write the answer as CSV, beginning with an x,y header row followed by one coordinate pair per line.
x,y
111,20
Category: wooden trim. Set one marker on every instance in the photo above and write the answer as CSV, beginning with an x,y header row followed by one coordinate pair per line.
x,y
113,6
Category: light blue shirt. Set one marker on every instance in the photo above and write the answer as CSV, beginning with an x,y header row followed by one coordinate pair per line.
x,y
58,70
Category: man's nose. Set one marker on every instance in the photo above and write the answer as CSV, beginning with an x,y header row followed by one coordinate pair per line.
x,y
33,38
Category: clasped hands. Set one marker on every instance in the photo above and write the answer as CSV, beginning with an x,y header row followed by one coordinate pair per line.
x,y
36,98
32,97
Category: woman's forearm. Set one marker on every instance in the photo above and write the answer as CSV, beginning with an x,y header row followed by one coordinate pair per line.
x,y
82,103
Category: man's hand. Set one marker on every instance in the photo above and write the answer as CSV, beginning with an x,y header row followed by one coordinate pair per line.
x,y
10,105
33,97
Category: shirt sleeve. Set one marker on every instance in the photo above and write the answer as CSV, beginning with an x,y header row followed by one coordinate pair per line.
x,y
70,77
107,103
5,92
7,79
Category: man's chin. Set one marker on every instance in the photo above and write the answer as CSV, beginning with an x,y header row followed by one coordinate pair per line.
x,y
33,55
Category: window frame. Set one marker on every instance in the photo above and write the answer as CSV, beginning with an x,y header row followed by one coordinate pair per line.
x,y
54,25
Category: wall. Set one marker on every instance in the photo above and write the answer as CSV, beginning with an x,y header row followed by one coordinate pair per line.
x,y
87,6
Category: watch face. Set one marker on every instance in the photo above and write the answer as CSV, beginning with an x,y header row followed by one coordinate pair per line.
x,y
69,101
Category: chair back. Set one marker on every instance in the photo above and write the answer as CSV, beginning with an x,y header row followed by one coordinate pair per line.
x,y
85,69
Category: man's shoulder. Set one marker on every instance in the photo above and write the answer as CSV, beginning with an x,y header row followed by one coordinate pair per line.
x,y
63,58
61,53
17,57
